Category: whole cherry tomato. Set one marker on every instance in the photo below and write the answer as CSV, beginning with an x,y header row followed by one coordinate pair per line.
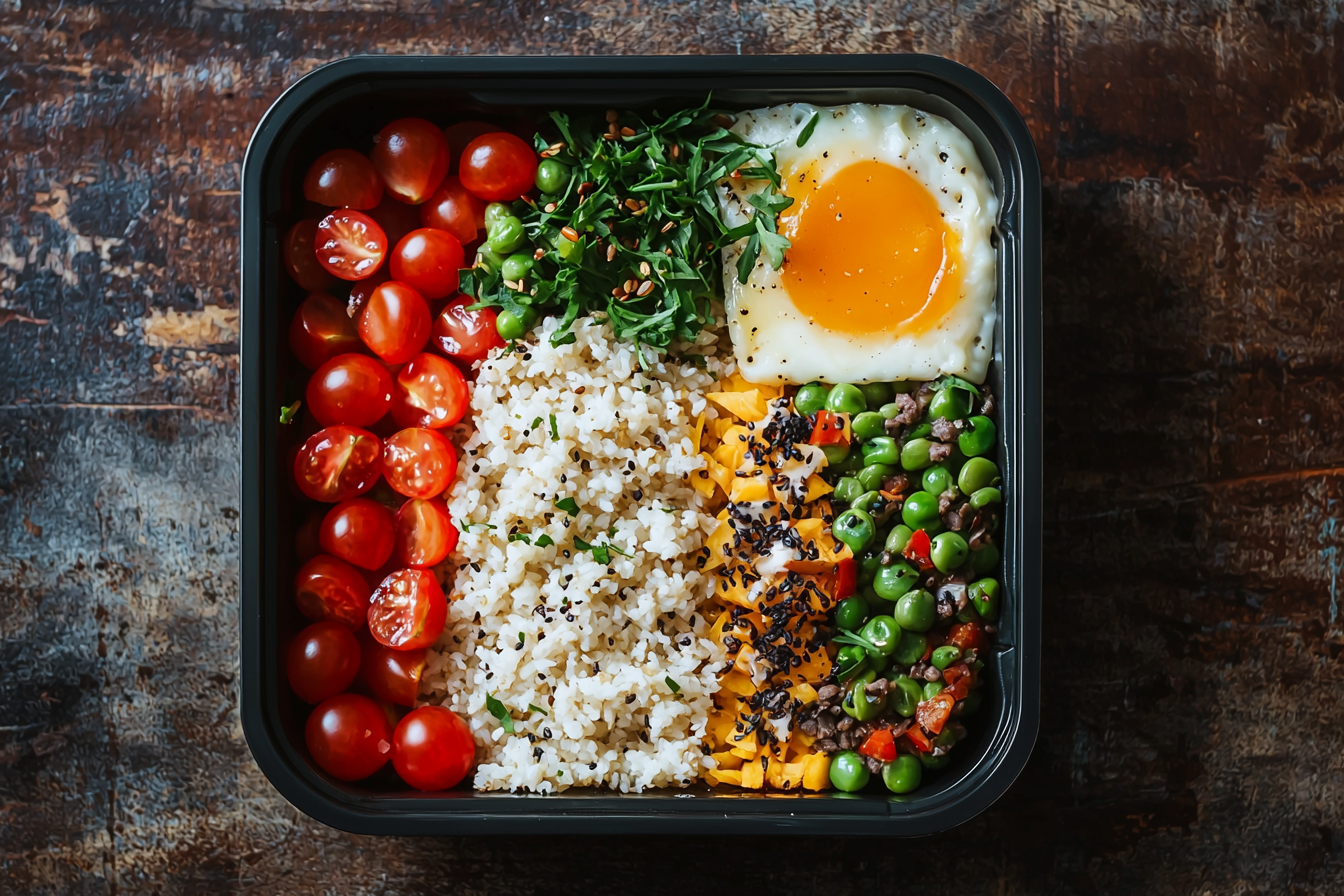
x,y
411,154
390,675
360,291
395,322
350,244
408,610
425,533
306,544
466,336
300,260
429,392
351,389
331,590
498,167
428,260
359,531
462,133
322,661
321,330
418,462
349,737
455,210
343,177
432,748
338,462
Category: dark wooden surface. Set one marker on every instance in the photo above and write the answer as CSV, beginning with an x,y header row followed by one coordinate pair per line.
x,y
1192,734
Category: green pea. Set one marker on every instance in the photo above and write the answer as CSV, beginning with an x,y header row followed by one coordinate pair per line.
x,y
951,403
876,394
971,703
876,661
493,260
899,538
910,649
894,581
850,465
906,386
872,476
851,660
915,454
810,398
516,267
507,236
938,479
921,512
903,774
932,689
847,489
855,528
845,399
985,560
986,496
978,473
979,439
835,454
920,431
868,425
916,611
494,213
570,250
848,773
875,603
905,694
930,761
890,411
883,633
881,450
850,613
509,325
948,551
945,738
945,656
552,176
869,565
984,596
872,502
860,704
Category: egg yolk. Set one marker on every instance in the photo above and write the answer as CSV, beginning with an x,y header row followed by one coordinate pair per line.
x,y
871,252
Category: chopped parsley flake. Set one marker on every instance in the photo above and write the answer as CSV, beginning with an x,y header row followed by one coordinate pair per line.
x,y
672,685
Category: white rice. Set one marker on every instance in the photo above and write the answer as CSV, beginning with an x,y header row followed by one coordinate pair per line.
x,y
599,666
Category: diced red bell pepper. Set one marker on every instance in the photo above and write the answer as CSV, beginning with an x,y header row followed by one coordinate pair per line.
x,y
919,740
880,745
846,578
967,636
933,713
830,429
917,549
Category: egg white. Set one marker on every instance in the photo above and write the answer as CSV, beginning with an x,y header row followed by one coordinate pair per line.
x,y
775,342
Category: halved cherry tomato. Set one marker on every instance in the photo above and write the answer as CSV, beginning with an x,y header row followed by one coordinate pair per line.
x,y
359,531
429,392
830,429
846,578
455,210
395,322
338,462
967,636
411,154
466,336
343,177
419,462
331,590
880,745
350,244
425,533
349,737
428,260
390,675
300,260
918,548
498,167
351,389
934,712
322,661
396,218
408,610
321,330
462,133
432,748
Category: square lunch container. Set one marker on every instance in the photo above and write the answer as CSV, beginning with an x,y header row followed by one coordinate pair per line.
x,y
344,104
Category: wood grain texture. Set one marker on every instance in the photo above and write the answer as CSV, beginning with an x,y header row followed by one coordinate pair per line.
x,y
1192,734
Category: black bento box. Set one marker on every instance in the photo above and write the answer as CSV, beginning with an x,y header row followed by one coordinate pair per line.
x,y
344,104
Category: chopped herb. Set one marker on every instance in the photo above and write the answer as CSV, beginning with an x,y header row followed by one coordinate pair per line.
x,y
499,711
467,524
545,541
672,685
535,423
599,552
560,774
668,509
518,536
949,381
806,133
555,433
522,636
287,414
532,707
568,505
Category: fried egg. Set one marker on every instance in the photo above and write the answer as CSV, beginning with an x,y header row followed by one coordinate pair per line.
x,y
891,271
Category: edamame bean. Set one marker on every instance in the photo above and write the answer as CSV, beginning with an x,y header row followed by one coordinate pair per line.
x,y
904,385
871,502
932,689
939,478
916,611
850,613
944,656
978,473
869,564
911,647
848,773
883,633
847,489
835,454
855,528
979,439
890,411
493,260
518,266
951,403
894,581
986,496
810,398
845,399
506,236
903,774
948,551
494,213
921,431
921,512
509,326
875,603
851,660
852,463
860,704
905,694
881,450
915,454
984,596
868,425
899,538
552,176
876,394
985,560
872,476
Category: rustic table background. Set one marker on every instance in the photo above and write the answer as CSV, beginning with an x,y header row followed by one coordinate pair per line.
x,y
1192,734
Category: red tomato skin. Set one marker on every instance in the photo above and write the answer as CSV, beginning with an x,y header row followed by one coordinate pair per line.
x,y
350,390
418,462
432,748
454,209
411,154
343,178
322,661
300,261
338,462
392,676
321,330
328,589
395,322
428,260
359,531
349,244
462,133
466,336
349,737
396,218
498,167
408,610
306,544
429,392
425,534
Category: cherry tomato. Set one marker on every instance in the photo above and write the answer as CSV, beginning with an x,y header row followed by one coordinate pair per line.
x,y
432,748
343,177
306,544
300,260
350,244
395,322
392,676
322,661
331,590
429,392
462,133
411,154
354,390
418,462
338,462
498,167
466,336
453,209
349,737
425,534
408,610
360,291
359,531
428,260
321,330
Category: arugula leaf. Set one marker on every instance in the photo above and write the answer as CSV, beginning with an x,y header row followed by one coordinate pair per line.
x,y
569,506
773,244
544,541
499,711
806,133
747,261
672,685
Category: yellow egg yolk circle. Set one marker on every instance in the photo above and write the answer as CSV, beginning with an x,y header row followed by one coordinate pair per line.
x,y
871,252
